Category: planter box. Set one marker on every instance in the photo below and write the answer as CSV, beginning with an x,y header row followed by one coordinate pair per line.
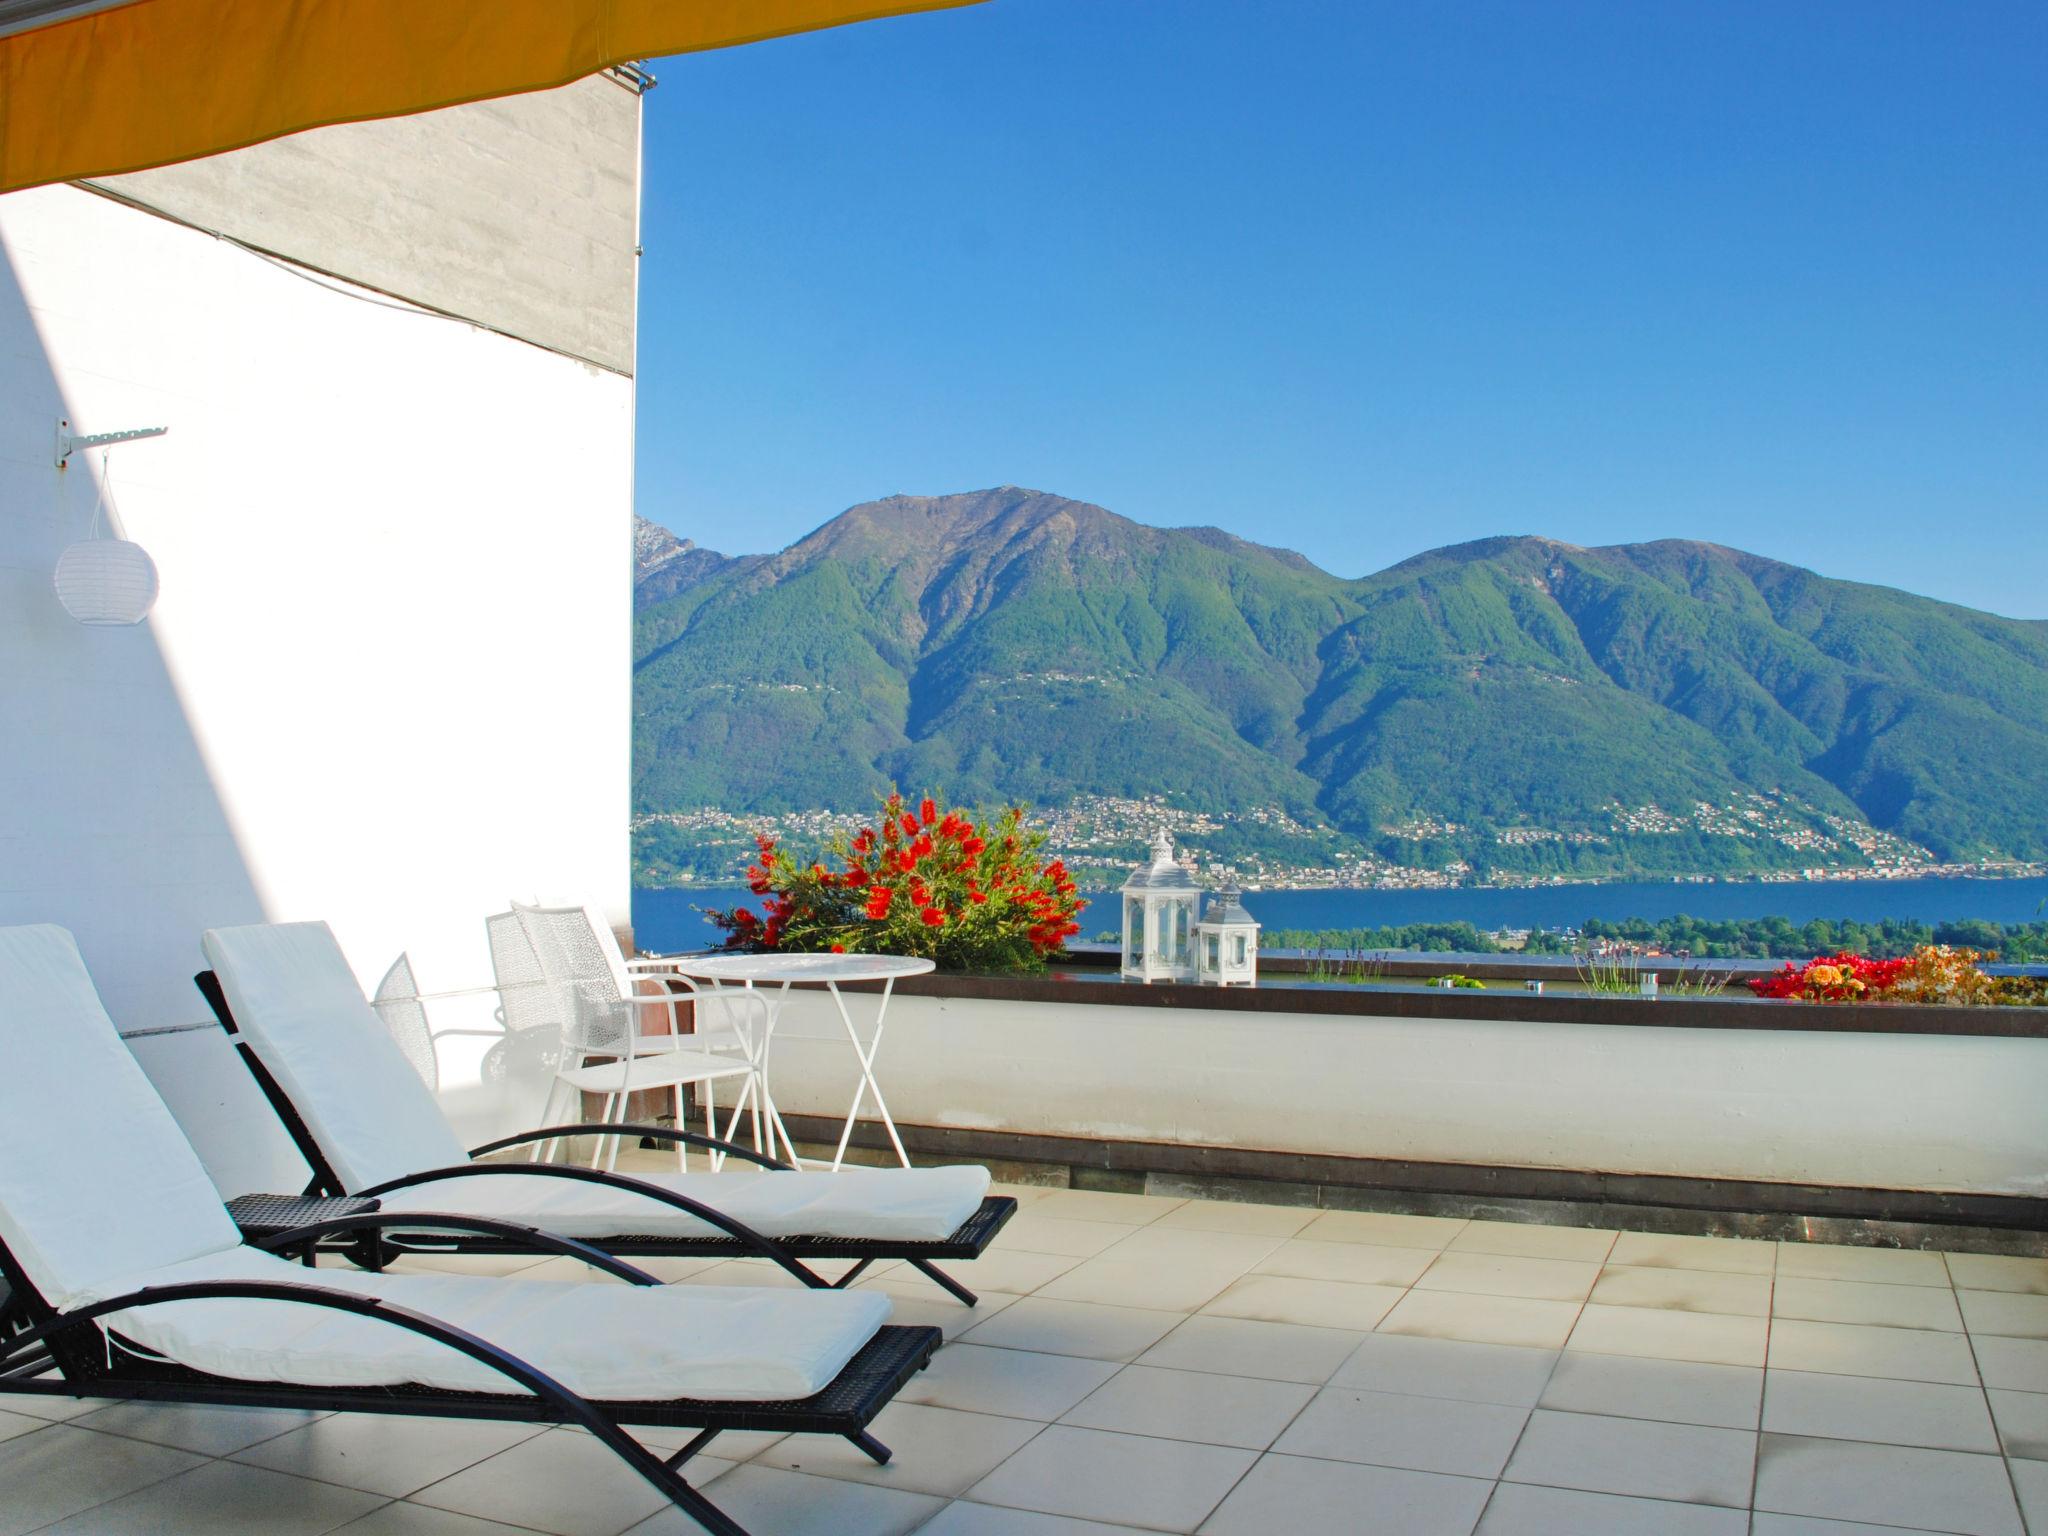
x,y
1853,1097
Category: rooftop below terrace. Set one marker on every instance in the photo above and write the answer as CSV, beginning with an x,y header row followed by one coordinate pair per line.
x,y
1141,1362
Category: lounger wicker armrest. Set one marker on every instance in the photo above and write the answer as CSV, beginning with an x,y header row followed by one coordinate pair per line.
x,y
766,1247
418,1221
650,1132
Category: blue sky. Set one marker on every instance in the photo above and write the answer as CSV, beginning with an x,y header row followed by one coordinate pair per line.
x,y
1361,279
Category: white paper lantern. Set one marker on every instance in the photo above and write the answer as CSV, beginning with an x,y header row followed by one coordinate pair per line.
x,y
106,581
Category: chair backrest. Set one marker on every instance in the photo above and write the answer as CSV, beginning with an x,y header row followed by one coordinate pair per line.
x,y
586,974
525,1000
97,1182
301,1010
398,1004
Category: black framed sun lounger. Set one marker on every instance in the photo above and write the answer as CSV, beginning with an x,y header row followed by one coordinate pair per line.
x,y
129,1281
368,1126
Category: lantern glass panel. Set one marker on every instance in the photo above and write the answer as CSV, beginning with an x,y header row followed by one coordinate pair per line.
x,y
1134,934
1180,933
1237,949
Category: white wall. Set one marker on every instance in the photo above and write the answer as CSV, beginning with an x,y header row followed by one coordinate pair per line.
x,y
387,683
1924,1112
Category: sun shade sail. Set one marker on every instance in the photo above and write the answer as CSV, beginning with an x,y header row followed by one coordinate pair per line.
x,y
95,89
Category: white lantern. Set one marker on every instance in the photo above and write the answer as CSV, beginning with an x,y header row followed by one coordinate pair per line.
x,y
1159,918
1227,943
106,581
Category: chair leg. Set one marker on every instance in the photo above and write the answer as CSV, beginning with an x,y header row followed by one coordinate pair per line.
x,y
873,1448
682,1147
605,1115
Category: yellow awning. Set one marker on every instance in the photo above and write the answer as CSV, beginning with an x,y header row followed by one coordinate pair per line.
x,y
92,89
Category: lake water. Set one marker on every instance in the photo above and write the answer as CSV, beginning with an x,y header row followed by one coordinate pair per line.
x,y
667,921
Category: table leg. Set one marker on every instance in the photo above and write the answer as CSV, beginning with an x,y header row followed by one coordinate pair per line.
x,y
867,1074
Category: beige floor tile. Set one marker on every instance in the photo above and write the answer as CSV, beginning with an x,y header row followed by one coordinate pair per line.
x,y
391,1456
1308,1303
1925,1413
965,1519
1013,1382
222,1497
59,1471
1475,1373
1384,1229
2011,1313
2021,1365
1685,1290
418,1520
1187,1405
757,1274
1712,1338
1531,1240
769,1500
1298,1493
1495,1274
937,1450
1117,1280
15,1424
1886,1484
1423,1434
565,1484
1168,1485
196,1427
1234,1346
1100,1205
1075,1328
1855,1301
1352,1263
1873,1266
1684,1463
946,1314
1800,1525
1995,1272
1166,1245
2030,1478
1232,1216
1721,1255
1855,1349
1677,1391
1483,1319
2022,1424
1017,1271
1527,1509
56,1410
1059,1234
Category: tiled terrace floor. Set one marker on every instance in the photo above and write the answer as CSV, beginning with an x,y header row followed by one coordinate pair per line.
x,y
1174,1365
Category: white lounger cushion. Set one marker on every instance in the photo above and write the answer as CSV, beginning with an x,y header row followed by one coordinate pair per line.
x,y
877,1204
602,1341
96,1179
302,1011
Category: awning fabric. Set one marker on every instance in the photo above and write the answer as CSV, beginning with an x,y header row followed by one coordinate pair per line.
x,y
104,89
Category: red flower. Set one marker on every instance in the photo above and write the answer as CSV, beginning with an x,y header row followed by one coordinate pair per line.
x,y
928,810
933,917
923,847
910,826
879,897
977,897
972,845
838,949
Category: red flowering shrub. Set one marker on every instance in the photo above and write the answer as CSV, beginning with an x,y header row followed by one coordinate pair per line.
x,y
1843,978
917,882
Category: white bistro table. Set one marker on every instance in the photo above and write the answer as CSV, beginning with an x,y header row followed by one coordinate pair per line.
x,y
769,978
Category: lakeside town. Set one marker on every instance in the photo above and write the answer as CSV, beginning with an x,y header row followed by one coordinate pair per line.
x,y
1100,837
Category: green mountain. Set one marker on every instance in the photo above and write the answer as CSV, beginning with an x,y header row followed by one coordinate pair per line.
x,y
1517,702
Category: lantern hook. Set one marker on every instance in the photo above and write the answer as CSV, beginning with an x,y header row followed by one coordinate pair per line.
x,y
69,442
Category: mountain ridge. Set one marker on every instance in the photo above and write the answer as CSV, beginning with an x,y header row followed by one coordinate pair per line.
x,y
1010,643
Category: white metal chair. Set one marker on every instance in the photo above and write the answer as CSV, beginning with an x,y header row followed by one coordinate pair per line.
x,y
600,1014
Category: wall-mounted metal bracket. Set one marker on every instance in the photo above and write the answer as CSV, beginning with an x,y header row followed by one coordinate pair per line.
x,y
69,442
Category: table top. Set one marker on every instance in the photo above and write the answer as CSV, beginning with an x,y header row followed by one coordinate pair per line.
x,y
798,968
